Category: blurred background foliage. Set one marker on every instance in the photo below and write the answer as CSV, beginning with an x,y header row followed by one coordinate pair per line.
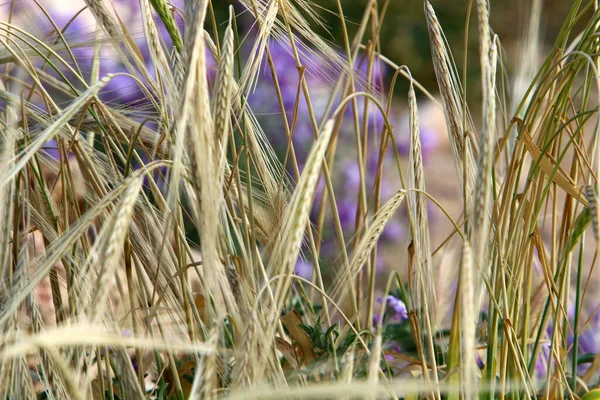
x,y
405,41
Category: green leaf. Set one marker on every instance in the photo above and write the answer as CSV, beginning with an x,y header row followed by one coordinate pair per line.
x,y
592,395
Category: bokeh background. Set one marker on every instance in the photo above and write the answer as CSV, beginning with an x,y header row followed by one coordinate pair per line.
x,y
405,41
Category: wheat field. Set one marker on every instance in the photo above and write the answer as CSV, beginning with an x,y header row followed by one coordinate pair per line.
x,y
201,205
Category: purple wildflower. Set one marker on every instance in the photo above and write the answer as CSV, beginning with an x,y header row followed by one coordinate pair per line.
x,y
394,348
51,149
589,341
394,230
397,306
543,361
479,361
303,269
376,319
347,213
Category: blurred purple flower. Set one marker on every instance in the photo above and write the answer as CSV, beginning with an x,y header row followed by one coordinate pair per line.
x,y
479,361
376,319
351,173
392,347
51,149
394,230
400,313
589,341
542,363
428,142
303,269
79,28
347,213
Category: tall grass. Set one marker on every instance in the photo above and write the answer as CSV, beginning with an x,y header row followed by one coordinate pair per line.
x,y
153,255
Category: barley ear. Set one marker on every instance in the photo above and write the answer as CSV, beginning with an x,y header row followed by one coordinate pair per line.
x,y
111,250
450,91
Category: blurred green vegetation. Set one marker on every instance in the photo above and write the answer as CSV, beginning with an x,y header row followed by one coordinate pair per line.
x,y
404,37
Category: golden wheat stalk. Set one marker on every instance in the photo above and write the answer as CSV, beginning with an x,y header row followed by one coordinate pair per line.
x,y
482,203
468,322
6,195
374,363
418,204
201,151
287,246
194,46
366,244
423,284
118,36
243,370
55,126
449,86
222,101
203,386
157,53
267,22
204,167
110,253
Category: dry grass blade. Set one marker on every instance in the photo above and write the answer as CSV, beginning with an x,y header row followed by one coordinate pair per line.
x,y
83,334
292,321
374,364
551,168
